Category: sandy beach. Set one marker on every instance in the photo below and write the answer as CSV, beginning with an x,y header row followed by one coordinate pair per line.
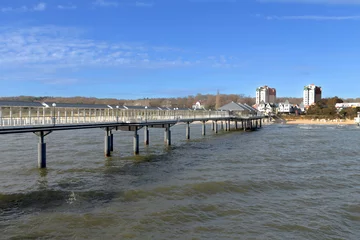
x,y
321,121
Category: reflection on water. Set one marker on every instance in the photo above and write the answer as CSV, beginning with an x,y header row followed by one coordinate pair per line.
x,y
282,182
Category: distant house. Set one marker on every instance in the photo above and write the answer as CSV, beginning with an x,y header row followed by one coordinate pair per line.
x,y
198,106
286,107
266,108
239,109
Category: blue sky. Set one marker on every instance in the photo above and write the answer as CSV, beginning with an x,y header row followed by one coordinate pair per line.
x,y
169,48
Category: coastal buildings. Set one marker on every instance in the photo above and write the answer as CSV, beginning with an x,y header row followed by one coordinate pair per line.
x,y
239,109
265,94
312,94
286,107
198,106
266,108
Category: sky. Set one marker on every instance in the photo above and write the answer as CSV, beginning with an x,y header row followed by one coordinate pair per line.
x,y
134,49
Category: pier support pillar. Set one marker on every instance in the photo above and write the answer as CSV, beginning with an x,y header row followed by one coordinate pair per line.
x,y
187,130
236,125
242,124
41,151
167,136
136,141
146,135
203,128
42,148
226,126
251,124
111,142
229,125
213,126
216,127
107,143
256,124
222,125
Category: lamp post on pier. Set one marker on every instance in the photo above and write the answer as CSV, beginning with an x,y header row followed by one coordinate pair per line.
x,y
117,114
146,113
54,119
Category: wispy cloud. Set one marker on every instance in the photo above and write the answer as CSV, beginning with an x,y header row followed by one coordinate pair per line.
x,y
39,7
144,4
47,52
343,2
105,3
314,18
67,7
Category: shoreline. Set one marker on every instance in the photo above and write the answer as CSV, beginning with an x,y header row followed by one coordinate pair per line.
x,y
320,122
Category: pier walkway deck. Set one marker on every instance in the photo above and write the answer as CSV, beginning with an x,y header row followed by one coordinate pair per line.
x,y
43,118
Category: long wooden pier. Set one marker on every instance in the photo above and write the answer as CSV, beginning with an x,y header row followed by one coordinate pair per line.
x,y
42,119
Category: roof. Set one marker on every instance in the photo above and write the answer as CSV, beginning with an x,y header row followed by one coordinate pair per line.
x,y
250,108
20,104
76,105
232,107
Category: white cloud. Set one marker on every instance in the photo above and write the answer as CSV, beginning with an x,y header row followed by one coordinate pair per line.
x,y
314,17
105,3
39,7
50,52
344,2
67,7
143,4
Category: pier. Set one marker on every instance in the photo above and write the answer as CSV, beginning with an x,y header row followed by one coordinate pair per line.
x,y
44,118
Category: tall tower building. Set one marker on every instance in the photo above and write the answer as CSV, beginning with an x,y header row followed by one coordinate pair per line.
x,y
312,94
265,94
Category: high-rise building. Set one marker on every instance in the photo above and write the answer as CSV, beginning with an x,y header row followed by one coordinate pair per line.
x,y
265,94
312,94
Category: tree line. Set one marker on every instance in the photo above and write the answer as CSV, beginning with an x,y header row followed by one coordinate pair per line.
x,y
325,108
209,101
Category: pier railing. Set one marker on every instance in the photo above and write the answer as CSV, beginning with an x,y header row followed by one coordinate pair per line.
x,y
27,116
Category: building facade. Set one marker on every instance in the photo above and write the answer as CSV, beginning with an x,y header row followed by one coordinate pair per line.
x,y
265,94
312,94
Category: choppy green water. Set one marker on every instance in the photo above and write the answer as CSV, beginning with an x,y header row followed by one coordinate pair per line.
x,y
282,182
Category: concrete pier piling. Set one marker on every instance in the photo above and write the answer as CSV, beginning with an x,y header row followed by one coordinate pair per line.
x,y
111,142
41,151
42,148
229,125
216,127
107,143
203,128
222,125
167,136
146,135
187,130
136,142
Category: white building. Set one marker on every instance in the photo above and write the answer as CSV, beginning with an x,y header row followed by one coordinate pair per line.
x,y
340,106
312,94
198,105
287,107
266,108
265,94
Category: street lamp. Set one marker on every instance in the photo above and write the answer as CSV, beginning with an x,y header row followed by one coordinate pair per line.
x,y
117,114
146,113
54,119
